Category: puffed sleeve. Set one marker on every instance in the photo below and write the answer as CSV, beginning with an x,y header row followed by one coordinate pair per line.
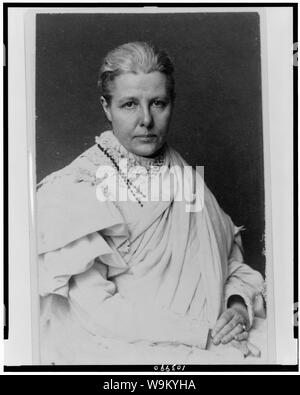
x,y
242,280
58,266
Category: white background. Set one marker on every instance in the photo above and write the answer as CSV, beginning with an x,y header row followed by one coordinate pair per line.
x,y
278,129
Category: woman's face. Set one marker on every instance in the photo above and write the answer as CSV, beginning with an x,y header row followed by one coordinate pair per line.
x,y
139,111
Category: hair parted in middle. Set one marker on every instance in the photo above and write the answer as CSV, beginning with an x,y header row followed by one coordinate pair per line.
x,y
135,57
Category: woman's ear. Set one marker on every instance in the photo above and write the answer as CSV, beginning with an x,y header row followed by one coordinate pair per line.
x,y
106,107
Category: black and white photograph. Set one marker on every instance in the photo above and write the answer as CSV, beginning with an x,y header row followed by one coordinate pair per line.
x,y
149,187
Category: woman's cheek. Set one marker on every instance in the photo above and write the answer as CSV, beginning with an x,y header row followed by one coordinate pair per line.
x,y
129,118
164,121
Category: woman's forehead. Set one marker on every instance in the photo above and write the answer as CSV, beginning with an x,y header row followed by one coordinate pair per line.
x,y
135,84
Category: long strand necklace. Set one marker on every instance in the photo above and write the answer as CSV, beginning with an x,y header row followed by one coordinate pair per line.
x,y
133,188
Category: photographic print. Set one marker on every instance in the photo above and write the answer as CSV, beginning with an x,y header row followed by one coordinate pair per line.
x,y
150,188
150,225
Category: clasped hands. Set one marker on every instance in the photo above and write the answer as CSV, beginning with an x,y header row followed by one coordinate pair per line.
x,y
233,325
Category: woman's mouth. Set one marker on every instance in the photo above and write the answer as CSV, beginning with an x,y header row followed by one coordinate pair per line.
x,y
147,138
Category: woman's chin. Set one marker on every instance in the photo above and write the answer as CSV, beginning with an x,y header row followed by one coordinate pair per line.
x,y
146,150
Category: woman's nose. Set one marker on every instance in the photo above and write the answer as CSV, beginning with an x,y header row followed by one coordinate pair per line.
x,y
146,117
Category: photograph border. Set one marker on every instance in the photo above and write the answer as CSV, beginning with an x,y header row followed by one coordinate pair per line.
x,y
143,368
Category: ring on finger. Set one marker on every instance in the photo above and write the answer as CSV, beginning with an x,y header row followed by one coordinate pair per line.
x,y
242,327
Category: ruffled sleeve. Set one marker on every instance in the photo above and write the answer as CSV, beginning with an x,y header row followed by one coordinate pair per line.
x,y
58,266
73,226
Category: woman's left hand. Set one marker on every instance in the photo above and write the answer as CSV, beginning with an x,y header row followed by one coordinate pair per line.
x,y
232,325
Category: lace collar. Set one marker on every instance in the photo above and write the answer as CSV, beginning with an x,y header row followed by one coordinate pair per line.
x,y
117,151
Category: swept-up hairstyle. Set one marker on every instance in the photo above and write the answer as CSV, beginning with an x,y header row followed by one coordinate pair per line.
x,y
134,57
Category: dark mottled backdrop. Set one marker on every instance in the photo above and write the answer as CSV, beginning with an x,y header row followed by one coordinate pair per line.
x,y
218,116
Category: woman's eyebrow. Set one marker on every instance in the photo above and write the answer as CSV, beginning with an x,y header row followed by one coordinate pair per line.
x,y
160,97
127,98
133,98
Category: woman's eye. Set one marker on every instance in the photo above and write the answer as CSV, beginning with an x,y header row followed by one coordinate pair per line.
x,y
158,103
129,104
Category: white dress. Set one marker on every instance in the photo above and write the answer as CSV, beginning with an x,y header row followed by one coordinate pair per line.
x,y
125,283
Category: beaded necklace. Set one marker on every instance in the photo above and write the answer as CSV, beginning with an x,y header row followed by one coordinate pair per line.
x,y
133,188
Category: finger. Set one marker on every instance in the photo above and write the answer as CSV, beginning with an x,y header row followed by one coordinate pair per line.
x,y
255,351
222,321
226,329
237,331
242,346
241,336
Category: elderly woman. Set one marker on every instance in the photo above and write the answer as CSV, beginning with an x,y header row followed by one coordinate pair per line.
x,y
138,279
